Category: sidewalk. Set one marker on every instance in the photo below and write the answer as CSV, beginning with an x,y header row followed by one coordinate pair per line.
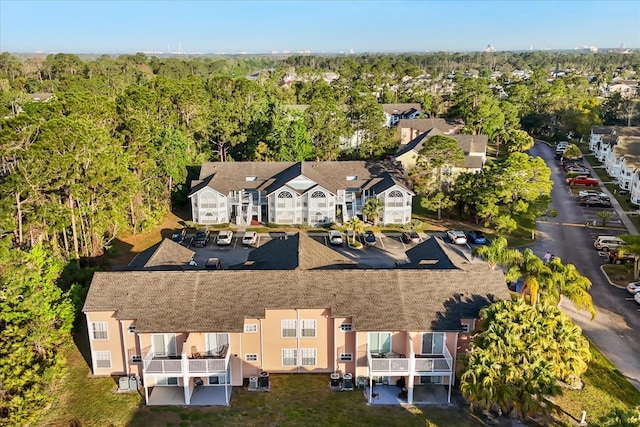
x,y
631,229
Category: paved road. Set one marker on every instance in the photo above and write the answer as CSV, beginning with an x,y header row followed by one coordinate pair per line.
x,y
616,329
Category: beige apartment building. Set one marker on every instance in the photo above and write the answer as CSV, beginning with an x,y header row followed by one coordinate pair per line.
x,y
191,336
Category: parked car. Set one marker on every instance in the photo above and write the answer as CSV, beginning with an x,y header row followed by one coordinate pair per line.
x,y
335,238
579,171
411,236
250,238
595,201
585,193
604,243
633,288
616,258
200,239
213,264
457,236
179,236
636,297
225,237
476,237
369,238
583,180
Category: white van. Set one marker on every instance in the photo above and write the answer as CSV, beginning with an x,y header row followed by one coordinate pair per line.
x,y
604,243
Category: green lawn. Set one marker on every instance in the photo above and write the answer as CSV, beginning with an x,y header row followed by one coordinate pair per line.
x,y
295,400
605,389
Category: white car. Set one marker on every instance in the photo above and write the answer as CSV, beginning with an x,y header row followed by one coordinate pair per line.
x,y
592,193
335,237
633,288
224,238
250,238
457,236
637,297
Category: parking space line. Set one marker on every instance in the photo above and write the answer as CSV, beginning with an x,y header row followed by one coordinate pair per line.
x,y
382,243
403,245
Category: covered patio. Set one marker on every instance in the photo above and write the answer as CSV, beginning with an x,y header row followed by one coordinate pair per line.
x,y
202,396
430,394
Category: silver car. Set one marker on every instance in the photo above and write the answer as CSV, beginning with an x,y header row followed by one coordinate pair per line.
x,y
224,238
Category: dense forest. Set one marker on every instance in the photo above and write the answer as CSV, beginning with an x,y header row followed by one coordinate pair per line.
x,y
114,146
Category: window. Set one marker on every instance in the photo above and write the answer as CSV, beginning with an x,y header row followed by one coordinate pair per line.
x,y
308,328
164,344
346,327
99,331
216,343
251,357
214,380
379,342
395,199
465,327
432,342
289,328
167,381
208,201
319,199
136,358
289,357
285,200
250,328
102,359
308,356
346,357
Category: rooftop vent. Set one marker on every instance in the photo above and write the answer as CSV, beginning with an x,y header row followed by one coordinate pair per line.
x,y
352,177
250,178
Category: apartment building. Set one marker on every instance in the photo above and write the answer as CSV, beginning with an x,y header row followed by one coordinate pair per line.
x,y
311,193
191,336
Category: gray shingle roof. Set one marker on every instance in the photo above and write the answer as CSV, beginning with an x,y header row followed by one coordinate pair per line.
x,y
219,301
169,256
294,252
227,176
401,108
424,125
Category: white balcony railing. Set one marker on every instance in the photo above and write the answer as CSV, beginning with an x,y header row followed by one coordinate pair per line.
x,y
414,364
161,364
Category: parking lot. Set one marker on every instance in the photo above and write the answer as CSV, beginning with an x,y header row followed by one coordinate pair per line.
x,y
387,252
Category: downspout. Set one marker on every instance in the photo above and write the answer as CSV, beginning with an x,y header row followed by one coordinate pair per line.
x,y
298,358
335,350
261,348
125,361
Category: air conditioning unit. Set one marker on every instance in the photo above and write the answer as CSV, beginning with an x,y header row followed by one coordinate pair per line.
x,y
123,384
264,380
253,383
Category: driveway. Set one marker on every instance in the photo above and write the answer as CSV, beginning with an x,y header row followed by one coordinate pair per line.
x,y
616,329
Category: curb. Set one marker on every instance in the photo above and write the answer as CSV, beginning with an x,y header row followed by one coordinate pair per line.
x,y
609,280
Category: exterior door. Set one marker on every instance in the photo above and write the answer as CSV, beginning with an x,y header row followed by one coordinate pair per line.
x,y
379,342
433,343
215,342
164,344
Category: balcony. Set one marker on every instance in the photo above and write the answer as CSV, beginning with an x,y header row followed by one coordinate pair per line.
x,y
206,365
391,364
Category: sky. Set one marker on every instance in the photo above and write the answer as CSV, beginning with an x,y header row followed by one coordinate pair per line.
x,y
119,26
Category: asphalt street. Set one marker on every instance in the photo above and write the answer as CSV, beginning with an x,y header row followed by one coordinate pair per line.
x,y
616,328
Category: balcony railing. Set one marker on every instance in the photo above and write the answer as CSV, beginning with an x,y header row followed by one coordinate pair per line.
x,y
414,364
161,364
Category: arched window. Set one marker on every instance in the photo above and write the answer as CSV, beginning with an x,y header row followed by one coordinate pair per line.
x,y
285,199
395,199
319,199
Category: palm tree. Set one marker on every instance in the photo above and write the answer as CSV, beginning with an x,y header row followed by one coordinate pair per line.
x,y
532,270
372,208
354,224
565,279
632,247
497,253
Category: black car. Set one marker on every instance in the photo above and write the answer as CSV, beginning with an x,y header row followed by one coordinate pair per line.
x,y
410,236
595,201
201,239
179,236
369,238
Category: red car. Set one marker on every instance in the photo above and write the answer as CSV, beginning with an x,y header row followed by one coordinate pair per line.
x,y
583,180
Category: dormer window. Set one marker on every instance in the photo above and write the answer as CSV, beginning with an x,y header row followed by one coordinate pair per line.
x,y
250,178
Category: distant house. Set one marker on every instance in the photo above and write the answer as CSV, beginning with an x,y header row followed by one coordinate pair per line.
x,y
409,129
396,112
626,88
474,148
40,97
191,336
311,193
